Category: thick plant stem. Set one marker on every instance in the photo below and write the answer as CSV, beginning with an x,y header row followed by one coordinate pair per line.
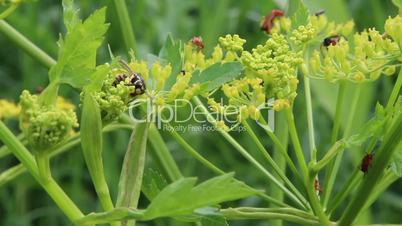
x,y
43,163
310,121
281,132
59,149
190,150
246,155
51,187
380,162
296,143
125,25
26,45
395,91
271,162
330,175
314,202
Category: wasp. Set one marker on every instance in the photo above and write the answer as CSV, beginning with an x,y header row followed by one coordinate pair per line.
x,y
268,21
366,162
136,80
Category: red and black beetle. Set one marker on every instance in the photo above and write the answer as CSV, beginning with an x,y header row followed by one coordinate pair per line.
x,y
366,162
197,41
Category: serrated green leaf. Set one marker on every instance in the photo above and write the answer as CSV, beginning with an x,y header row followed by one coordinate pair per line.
x,y
171,51
396,162
217,74
77,52
153,183
374,127
181,197
70,15
300,17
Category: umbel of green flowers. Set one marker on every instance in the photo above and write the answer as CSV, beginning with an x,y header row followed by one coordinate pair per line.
x,y
45,126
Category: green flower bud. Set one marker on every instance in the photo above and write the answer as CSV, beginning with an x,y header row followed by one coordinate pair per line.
x,y
44,126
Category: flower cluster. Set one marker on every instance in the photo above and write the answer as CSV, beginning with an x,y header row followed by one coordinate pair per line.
x,y
45,126
245,96
8,109
275,63
365,59
116,93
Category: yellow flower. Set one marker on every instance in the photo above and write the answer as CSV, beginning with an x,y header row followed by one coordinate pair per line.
x,y
9,109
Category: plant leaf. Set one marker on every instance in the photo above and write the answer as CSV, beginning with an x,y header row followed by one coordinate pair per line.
x,y
153,183
396,162
300,17
171,51
70,15
217,74
374,127
77,52
181,197
214,221
133,167
91,142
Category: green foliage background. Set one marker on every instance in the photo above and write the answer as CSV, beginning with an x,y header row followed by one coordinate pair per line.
x,y
22,202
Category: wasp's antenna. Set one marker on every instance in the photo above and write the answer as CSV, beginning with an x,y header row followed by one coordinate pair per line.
x,y
125,66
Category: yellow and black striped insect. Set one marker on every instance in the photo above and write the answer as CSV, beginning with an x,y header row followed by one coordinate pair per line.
x,y
136,79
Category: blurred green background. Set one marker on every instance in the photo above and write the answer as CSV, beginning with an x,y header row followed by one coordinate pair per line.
x,y
22,202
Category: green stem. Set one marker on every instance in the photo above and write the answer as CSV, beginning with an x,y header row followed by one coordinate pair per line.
x,y
330,175
271,162
338,112
395,91
352,182
281,132
313,198
8,11
51,187
310,121
380,162
11,173
279,146
125,25
331,153
26,45
246,155
190,150
61,148
235,214
296,142
43,163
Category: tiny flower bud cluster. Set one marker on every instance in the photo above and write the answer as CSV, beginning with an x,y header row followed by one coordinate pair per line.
x,y
115,95
45,126
275,64
370,55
